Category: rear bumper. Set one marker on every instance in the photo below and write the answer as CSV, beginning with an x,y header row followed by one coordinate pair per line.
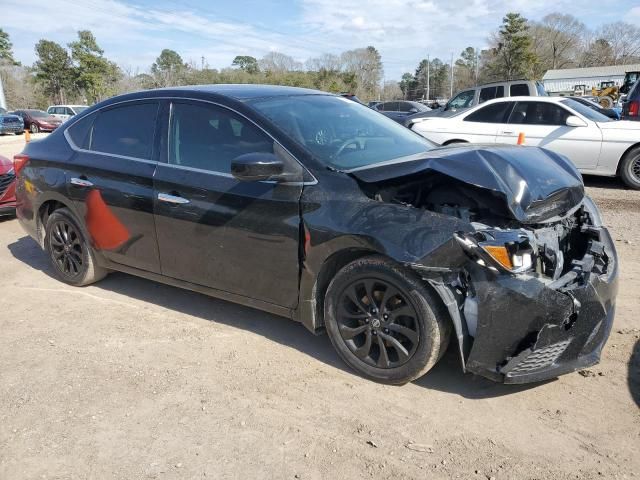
x,y
529,331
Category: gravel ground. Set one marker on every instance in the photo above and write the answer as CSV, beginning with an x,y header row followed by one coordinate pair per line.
x,y
130,379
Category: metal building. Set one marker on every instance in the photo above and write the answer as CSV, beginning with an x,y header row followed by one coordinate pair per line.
x,y
562,81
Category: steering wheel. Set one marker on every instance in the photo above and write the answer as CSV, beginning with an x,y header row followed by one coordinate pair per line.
x,y
345,144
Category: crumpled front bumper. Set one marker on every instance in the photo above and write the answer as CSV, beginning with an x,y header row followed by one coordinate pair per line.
x,y
528,330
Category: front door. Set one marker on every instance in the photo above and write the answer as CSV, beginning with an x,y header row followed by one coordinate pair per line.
x,y
214,230
110,181
544,125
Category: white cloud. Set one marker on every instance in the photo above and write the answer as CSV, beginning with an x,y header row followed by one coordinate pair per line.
x,y
404,31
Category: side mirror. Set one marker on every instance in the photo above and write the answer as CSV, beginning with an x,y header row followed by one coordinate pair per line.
x,y
573,121
253,167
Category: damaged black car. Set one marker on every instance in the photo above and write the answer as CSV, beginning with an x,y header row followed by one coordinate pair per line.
x,y
313,207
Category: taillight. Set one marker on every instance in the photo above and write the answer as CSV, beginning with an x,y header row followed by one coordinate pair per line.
x,y
19,161
634,108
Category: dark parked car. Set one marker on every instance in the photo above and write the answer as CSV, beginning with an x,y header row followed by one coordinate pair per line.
x,y
612,113
11,124
399,110
631,105
298,203
7,187
38,121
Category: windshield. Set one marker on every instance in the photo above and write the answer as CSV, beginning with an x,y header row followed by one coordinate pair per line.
x,y
341,133
79,109
585,111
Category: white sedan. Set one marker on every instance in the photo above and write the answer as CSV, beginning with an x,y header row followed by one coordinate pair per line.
x,y
596,144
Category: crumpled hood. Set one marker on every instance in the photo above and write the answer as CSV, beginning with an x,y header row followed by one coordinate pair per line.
x,y
536,184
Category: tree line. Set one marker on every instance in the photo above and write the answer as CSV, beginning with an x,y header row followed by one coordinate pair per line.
x,y
79,72
520,48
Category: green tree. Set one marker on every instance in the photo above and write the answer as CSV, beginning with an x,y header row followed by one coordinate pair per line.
x,y
513,56
53,70
169,69
94,75
247,63
465,68
6,49
406,85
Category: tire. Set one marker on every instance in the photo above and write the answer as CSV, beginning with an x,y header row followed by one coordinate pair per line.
x,y
406,313
606,102
630,169
34,128
69,251
20,133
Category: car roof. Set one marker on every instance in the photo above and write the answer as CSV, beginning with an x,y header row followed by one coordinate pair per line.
x,y
246,91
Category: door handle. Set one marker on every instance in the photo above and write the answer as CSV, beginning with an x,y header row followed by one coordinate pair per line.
x,y
175,199
81,182
507,132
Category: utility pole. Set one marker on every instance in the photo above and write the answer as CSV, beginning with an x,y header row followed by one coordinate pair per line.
x,y
3,102
428,75
202,62
477,65
451,89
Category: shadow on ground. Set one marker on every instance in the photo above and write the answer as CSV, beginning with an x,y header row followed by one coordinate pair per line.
x,y
447,376
634,373
610,183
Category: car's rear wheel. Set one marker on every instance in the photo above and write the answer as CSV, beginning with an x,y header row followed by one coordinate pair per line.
x,y
384,322
630,169
69,251
34,128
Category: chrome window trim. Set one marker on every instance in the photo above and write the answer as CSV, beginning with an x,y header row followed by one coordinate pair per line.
x,y
221,174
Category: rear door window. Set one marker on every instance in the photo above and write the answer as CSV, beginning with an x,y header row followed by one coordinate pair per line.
x,y
125,130
519,90
494,113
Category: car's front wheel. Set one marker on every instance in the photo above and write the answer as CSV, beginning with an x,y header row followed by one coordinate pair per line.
x,y
384,322
69,251
34,128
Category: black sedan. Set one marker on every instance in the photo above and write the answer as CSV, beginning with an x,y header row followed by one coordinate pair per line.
x,y
317,208
400,110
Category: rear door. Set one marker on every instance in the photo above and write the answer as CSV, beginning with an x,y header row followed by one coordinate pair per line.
x,y
214,230
485,122
110,181
544,125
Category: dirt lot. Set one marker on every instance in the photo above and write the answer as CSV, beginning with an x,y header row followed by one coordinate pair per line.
x,y
129,379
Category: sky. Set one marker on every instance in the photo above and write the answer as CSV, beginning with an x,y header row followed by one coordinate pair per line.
x,y
133,33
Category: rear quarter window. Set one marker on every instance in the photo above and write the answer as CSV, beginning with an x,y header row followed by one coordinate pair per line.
x,y
80,132
494,113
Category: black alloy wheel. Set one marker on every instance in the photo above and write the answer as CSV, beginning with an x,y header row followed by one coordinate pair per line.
x,y
378,323
66,249
384,321
70,253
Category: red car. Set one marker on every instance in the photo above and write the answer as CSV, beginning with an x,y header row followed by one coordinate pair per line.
x,y
38,121
7,187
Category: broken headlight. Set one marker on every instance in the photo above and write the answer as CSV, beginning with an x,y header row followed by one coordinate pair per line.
x,y
592,210
509,250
